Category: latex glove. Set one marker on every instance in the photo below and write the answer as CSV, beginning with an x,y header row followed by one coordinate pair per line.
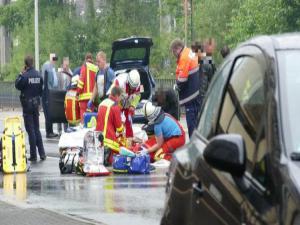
x,y
131,110
123,118
144,151
90,104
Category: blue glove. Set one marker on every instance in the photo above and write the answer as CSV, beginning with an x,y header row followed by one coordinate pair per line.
x,y
90,104
144,151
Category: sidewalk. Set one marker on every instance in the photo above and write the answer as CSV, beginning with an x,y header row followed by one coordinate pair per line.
x,y
13,215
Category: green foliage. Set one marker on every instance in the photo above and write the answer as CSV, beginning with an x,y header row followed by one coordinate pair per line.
x,y
64,31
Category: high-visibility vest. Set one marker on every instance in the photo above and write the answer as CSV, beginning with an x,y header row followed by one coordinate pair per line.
x,y
187,76
72,110
109,122
86,81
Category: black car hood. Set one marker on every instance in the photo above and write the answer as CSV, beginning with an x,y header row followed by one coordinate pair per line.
x,y
128,52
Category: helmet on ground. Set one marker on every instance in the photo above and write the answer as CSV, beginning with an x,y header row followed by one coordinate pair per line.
x,y
151,112
74,80
134,79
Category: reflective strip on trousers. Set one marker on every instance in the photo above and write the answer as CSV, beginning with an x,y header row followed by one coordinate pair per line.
x,y
191,97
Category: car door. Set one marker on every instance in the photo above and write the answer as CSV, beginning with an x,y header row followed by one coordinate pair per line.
x,y
241,112
210,194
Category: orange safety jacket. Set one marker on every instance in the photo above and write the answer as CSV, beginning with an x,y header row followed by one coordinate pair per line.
x,y
187,76
109,123
86,81
72,110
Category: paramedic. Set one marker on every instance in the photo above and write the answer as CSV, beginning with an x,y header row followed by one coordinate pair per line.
x,y
130,83
86,83
30,83
109,120
169,134
187,81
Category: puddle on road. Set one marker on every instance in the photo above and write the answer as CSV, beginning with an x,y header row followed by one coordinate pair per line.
x,y
15,185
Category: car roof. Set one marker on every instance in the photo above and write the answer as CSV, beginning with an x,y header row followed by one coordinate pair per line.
x,y
275,42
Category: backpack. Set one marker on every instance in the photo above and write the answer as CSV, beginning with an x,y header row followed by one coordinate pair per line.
x,y
69,160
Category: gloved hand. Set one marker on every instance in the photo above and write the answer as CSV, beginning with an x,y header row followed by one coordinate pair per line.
x,y
144,151
131,110
90,104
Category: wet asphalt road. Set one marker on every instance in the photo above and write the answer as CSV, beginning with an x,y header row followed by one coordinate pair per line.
x,y
115,199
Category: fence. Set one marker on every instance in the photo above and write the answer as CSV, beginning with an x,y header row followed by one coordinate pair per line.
x,y
9,96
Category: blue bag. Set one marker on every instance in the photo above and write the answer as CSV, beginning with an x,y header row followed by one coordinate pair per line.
x,y
140,164
89,119
121,164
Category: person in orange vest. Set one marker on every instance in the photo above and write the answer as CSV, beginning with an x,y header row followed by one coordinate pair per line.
x,y
72,110
86,83
130,84
169,134
188,82
109,120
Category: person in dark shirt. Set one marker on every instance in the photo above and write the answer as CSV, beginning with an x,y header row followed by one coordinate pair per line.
x,y
30,83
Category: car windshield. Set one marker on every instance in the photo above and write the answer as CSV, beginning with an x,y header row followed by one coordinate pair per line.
x,y
289,69
129,54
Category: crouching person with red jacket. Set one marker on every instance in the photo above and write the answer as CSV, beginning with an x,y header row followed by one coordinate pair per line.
x,y
169,134
109,122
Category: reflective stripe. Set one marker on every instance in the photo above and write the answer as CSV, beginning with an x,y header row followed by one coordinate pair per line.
x,y
191,97
80,84
84,96
108,103
182,79
194,70
112,144
120,129
159,154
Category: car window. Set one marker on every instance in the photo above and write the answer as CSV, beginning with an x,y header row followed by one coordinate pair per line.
x,y
289,70
210,111
243,110
128,54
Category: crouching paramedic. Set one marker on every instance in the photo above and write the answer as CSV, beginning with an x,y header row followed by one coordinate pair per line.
x,y
109,120
130,84
169,134
72,110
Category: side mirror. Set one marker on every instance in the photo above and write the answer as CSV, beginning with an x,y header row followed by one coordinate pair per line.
x,y
227,153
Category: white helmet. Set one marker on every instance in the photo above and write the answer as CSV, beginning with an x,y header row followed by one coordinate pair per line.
x,y
151,112
74,80
134,79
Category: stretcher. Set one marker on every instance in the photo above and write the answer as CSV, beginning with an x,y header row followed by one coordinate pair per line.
x,y
13,146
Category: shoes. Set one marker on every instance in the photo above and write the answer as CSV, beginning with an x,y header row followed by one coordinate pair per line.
x,y
32,159
51,135
43,158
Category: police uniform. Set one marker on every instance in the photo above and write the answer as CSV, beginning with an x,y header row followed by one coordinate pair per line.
x,y
30,84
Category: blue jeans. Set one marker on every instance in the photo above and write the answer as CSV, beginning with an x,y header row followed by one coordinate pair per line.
x,y
191,112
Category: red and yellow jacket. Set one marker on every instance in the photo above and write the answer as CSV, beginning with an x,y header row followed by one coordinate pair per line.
x,y
109,122
72,110
86,81
187,76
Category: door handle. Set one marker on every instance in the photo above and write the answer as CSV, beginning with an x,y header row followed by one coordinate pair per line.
x,y
197,188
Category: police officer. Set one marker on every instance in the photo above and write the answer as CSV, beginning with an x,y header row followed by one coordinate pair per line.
x,y
30,83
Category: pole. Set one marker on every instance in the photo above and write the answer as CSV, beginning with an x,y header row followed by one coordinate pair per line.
x,y
185,22
192,32
36,35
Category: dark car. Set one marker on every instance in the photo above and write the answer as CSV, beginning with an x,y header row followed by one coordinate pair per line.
x,y
242,164
134,53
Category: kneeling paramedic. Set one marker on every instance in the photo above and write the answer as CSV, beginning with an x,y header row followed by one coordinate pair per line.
x,y
109,121
30,83
169,134
130,84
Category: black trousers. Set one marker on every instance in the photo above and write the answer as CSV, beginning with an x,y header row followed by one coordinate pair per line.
x,y
32,126
48,124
